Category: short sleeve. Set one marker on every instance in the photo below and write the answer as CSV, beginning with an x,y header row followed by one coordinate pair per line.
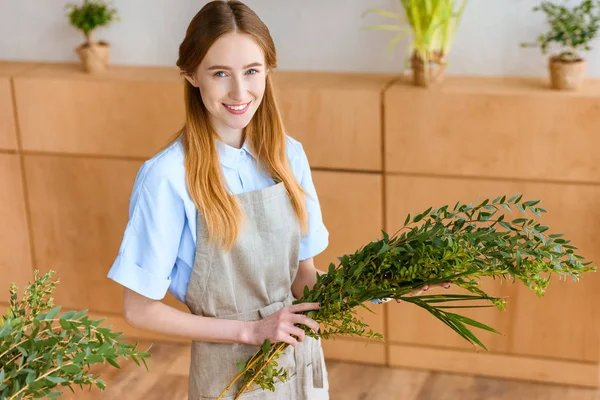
x,y
150,244
317,237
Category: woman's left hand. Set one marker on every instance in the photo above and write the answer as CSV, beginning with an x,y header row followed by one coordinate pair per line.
x,y
425,288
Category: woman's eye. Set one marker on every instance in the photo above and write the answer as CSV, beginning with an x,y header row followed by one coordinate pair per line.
x,y
252,72
220,72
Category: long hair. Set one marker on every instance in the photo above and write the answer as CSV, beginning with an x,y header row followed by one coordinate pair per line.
x,y
265,132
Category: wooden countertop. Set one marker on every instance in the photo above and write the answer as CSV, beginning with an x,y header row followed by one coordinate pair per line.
x,y
497,85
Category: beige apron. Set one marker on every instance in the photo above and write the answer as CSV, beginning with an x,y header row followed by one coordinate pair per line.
x,y
248,283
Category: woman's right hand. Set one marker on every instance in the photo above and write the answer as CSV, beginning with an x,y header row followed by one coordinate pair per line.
x,y
279,326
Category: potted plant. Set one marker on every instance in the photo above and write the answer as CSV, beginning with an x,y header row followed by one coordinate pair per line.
x,y
433,25
94,54
42,352
573,30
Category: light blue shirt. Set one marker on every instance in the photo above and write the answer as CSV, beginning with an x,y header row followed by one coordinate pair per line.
x,y
159,244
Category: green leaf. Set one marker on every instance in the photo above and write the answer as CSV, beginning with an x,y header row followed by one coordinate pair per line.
x,y
474,323
385,13
70,369
513,198
52,313
30,377
266,346
67,315
55,379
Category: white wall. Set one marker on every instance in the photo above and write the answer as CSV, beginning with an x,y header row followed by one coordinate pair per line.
x,y
309,34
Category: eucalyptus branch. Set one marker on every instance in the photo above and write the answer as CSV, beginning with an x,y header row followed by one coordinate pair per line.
x,y
459,245
40,350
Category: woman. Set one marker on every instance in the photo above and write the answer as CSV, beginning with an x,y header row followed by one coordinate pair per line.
x,y
227,218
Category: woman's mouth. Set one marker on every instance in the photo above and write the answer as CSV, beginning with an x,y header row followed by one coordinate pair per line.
x,y
237,108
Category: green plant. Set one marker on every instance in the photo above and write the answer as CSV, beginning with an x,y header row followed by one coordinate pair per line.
x,y
459,245
433,25
40,350
572,29
89,16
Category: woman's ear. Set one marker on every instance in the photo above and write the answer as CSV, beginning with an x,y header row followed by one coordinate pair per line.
x,y
190,79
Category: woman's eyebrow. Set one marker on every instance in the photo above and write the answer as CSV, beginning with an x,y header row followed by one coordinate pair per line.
x,y
256,64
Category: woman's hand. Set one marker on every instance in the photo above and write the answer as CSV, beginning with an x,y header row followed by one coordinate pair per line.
x,y
279,326
425,288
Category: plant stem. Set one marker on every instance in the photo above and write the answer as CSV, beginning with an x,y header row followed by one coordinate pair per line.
x,y
238,376
91,38
14,396
279,348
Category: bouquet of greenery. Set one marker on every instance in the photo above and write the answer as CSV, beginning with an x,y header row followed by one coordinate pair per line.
x,y
572,29
40,350
459,246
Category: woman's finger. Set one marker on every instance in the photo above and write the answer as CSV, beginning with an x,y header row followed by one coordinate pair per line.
x,y
304,320
286,338
298,332
304,307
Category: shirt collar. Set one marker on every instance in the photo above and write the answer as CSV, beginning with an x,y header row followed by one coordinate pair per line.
x,y
229,156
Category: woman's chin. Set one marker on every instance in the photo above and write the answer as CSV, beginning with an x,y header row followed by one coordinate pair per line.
x,y
238,122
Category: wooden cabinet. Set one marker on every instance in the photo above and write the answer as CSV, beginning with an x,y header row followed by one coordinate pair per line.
x,y
15,253
493,127
8,131
480,137
129,112
79,210
352,209
379,148
336,116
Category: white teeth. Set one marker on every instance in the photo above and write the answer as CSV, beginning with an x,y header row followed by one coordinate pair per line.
x,y
237,108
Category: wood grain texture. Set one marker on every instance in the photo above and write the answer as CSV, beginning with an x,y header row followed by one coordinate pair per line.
x,y
336,116
493,127
130,112
168,379
15,253
79,210
361,351
564,324
495,365
8,131
351,204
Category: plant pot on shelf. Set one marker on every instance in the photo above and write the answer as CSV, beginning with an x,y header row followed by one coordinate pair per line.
x,y
566,74
433,75
94,57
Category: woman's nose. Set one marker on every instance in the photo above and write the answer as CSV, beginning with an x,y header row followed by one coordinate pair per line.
x,y
237,89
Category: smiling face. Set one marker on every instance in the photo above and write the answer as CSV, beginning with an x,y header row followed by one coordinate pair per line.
x,y
231,79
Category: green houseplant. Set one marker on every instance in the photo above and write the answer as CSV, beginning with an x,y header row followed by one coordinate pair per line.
x,y
42,352
572,29
94,54
433,25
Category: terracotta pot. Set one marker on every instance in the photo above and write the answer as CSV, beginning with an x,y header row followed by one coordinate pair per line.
x,y
434,75
94,57
566,75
